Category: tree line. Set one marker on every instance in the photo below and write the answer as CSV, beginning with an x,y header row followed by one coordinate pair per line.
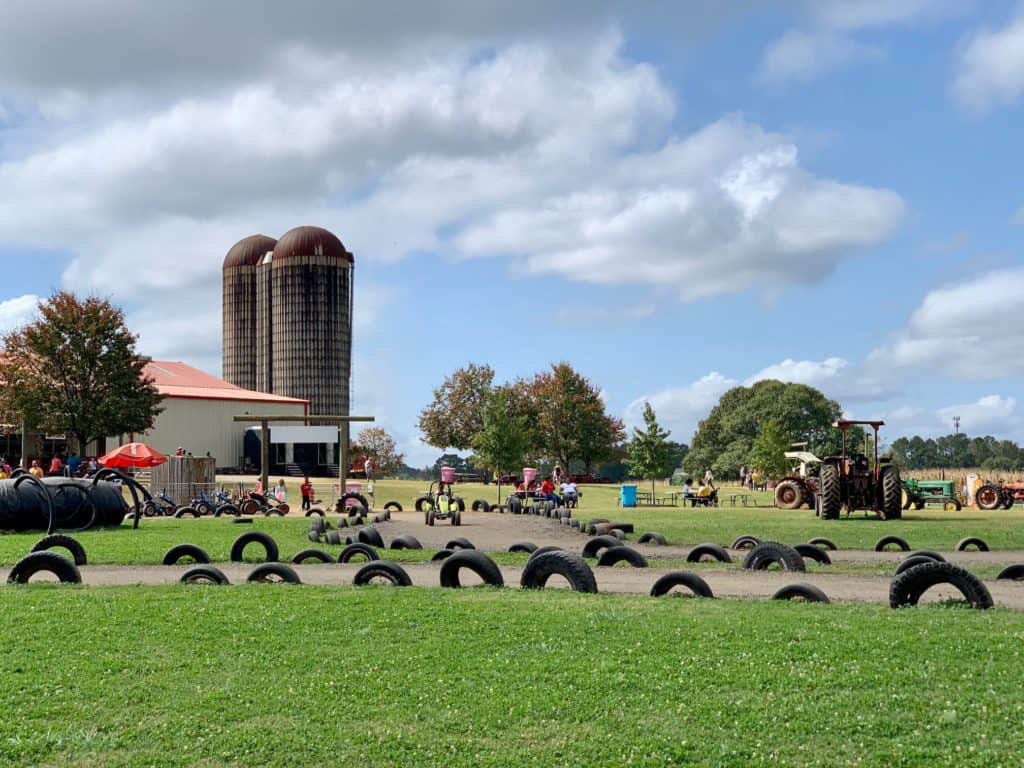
x,y
958,451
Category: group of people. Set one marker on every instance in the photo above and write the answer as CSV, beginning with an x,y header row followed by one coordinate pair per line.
x,y
556,488
75,466
753,480
705,490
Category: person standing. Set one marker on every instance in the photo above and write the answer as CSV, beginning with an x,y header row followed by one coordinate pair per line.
x,y
56,465
281,492
306,489
368,468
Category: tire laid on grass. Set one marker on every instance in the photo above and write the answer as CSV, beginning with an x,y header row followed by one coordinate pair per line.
x,y
830,492
334,538
273,573
314,537
746,541
773,552
687,579
523,546
909,562
242,520
624,527
185,551
44,562
392,506
971,541
652,538
72,545
568,565
370,536
543,550
574,524
317,555
821,541
422,503
988,496
392,573
441,554
204,574
617,533
228,509
907,588
930,553
406,541
481,505
180,512
892,493
614,555
885,541
599,529
358,549
318,525
475,561
459,543
789,494
714,551
1012,573
254,537
811,552
596,544
353,496
807,593
315,511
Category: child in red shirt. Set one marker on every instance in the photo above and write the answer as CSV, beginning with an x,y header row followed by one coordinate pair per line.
x,y
306,489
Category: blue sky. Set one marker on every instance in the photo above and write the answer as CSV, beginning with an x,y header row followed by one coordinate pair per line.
x,y
675,199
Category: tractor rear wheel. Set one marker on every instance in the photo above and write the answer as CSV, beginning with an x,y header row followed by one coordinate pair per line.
x,y
789,494
988,496
830,492
892,503
908,499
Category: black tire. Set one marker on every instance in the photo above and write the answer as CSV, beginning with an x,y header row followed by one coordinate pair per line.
x,y
44,562
357,512
149,509
65,542
475,561
459,543
457,518
515,505
333,538
430,517
242,521
317,555
907,588
182,511
768,553
481,505
745,541
203,509
185,551
371,536
885,541
343,522
618,534
523,546
254,537
204,574
931,553
830,494
315,511
909,562
497,508
543,550
569,565
1007,500
574,524
988,496
687,579
441,554
596,544
789,494
406,542
615,555
393,506
318,525
807,593
345,497
422,503
227,509
652,538
358,549
392,573
714,551
273,573
821,541
624,527
811,552
1012,573
892,493
907,498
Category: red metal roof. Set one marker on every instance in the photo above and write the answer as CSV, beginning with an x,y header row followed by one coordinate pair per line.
x,y
248,251
175,379
310,241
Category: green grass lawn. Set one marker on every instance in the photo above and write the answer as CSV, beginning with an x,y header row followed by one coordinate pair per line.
x,y
304,676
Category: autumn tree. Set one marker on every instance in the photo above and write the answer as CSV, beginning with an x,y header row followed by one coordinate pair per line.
x,y
649,453
75,371
504,441
456,413
376,443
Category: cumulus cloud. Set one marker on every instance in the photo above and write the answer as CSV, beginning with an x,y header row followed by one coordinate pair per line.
x,y
986,415
990,69
814,373
680,408
803,55
17,312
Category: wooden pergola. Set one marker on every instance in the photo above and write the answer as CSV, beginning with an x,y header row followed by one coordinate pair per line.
x,y
264,421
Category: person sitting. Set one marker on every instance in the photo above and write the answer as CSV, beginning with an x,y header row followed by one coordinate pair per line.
x,y
35,470
688,493
570,495
547,491
704,492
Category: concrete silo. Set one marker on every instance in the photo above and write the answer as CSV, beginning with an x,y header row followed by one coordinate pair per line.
x,y
240,310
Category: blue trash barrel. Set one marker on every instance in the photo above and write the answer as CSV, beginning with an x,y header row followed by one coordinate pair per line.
x,y
628,495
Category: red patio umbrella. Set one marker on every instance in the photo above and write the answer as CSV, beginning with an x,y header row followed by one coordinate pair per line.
x,y
133,455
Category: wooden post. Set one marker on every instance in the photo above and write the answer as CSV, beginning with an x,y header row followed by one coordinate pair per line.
x,y
344,461
264,456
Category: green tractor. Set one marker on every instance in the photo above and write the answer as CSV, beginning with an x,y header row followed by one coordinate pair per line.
x,y
917,493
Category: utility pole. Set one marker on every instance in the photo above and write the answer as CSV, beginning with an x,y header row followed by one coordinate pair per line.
x,y
956,425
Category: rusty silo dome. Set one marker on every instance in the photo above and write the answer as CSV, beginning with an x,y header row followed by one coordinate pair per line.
x,y
310,241
248,251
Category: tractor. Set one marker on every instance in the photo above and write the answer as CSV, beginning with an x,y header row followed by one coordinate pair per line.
x,y
800,486
991,495
849,480
917,493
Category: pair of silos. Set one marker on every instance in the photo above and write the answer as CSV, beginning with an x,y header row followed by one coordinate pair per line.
x,y
288,317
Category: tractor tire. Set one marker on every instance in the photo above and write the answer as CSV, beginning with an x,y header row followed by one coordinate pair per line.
x,y
892,502
358,550
394,574
714,551
523,546
821,541
204,574
614,555
273,573
459,543
909,562
176,554
1007,500
423,503
952,505
568,565
806,593
907,588
596,544
481,505
392,506
317,555
688,579
515,505
971,541
768,553
988,496
885,541
406,542
65,542
228,509
811,552
652,538
745,541
475,561
1012,573
254,537
370,536
789,494
441,554
907,499
830,492
50,562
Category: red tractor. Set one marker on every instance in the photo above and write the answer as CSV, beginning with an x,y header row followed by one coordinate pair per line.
x,y
849,480
993,495
800,486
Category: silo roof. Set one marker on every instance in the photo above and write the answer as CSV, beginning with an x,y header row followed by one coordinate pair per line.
x,y
248,251
310,241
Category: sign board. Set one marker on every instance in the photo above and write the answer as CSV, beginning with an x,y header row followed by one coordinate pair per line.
x,y
300,435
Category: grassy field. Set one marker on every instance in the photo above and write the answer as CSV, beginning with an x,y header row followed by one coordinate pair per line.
x,y
279,676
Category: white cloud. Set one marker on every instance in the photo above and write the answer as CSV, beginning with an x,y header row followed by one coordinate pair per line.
x,y
17,312
811,372
680,408
990,70
989,414
803,55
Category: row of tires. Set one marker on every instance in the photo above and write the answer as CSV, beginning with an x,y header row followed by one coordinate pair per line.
x,y
746,541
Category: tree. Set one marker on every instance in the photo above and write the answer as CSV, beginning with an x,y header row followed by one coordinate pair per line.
x,y
649,453
768,453
75,370
503,442
376,443
456,413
